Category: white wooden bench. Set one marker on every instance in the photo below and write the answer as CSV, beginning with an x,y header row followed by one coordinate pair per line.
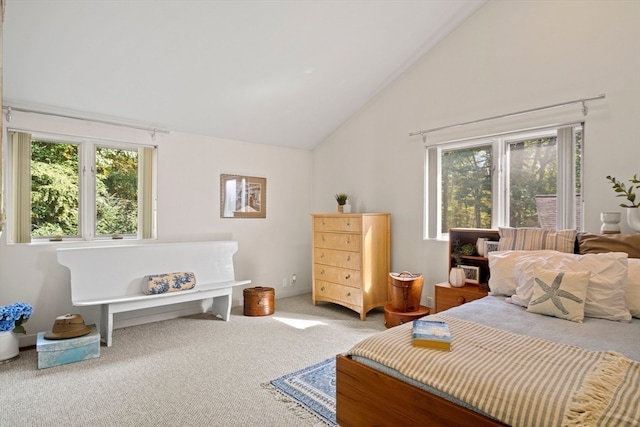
x,y
112,277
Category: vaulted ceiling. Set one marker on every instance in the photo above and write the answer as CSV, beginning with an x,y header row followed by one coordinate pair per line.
x,y
284,73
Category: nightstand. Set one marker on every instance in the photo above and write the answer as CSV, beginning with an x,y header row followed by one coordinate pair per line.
x,y
447,296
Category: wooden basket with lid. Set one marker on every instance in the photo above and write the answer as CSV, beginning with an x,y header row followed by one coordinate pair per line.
x,y
258,301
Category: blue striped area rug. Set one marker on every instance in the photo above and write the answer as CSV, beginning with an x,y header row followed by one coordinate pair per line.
x,y
313,388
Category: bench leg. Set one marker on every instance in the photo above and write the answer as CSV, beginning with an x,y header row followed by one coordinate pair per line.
x,y
106,324
222,306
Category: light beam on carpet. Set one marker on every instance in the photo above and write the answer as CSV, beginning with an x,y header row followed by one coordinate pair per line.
x,y
299,323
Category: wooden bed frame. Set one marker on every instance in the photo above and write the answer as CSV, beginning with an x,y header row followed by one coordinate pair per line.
x,y
366,397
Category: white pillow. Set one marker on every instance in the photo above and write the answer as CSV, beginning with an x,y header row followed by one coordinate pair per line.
x,y
633,287
502,264
607,285
559,294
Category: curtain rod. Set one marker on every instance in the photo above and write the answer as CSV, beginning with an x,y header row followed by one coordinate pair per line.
x,y
584,111
152,131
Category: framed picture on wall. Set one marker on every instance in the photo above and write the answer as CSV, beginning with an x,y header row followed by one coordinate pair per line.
x,y
471,274
243,196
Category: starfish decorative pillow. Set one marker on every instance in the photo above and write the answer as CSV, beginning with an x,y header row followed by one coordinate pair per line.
x,y
559,294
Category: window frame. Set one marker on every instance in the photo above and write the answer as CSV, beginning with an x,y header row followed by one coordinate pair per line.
x,y
566,183
87,203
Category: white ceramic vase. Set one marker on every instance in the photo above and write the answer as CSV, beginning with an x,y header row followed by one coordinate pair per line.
x,y
480,246
9,345
457,277
633,219
610,222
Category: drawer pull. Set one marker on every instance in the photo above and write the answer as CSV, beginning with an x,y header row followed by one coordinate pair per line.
x,y
348,294
322,255
321,272
461,300
348,257
322,288
347,242
348,224
347,277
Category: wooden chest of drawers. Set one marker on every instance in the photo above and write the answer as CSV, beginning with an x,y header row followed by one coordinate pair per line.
x,y
351,256
448,296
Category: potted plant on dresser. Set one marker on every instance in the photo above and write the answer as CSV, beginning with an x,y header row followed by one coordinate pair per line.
x,y
341,198
628,192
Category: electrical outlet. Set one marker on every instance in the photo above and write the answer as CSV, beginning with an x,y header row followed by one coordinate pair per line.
x,y
285,282
430,302
293,279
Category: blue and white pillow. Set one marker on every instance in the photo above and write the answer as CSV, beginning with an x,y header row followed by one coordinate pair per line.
x,y
168,282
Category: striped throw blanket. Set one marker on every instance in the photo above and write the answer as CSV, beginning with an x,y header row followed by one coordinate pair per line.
x,y
519,380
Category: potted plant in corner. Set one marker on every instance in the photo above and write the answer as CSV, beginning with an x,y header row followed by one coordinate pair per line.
x,y
633,207
341,198
11,319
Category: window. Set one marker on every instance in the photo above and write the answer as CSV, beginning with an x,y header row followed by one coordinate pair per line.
x,y
466,186
525,179
67,187
55,191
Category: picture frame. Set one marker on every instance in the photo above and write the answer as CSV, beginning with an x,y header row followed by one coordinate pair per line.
x,y
490,246
243,196
471,274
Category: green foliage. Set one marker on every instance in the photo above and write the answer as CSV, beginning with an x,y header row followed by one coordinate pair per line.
x,y
55,190
466,188
627,192
116,191
342,198
457,253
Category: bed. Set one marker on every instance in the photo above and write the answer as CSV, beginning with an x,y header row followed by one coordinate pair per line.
x,y
510,364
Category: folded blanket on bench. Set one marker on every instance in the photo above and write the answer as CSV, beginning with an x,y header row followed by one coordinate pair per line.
x,y
168,282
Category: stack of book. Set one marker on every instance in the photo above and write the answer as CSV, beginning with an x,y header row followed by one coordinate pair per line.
x,y
431,334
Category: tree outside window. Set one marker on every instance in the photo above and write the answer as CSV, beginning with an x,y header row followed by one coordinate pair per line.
x,y
466,188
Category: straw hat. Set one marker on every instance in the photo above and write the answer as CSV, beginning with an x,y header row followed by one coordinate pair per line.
x,y
68,326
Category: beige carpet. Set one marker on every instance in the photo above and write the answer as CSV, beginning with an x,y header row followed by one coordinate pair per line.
x,y
196,371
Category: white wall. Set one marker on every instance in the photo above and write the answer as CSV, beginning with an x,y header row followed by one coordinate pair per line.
x,y
189,168
509,56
